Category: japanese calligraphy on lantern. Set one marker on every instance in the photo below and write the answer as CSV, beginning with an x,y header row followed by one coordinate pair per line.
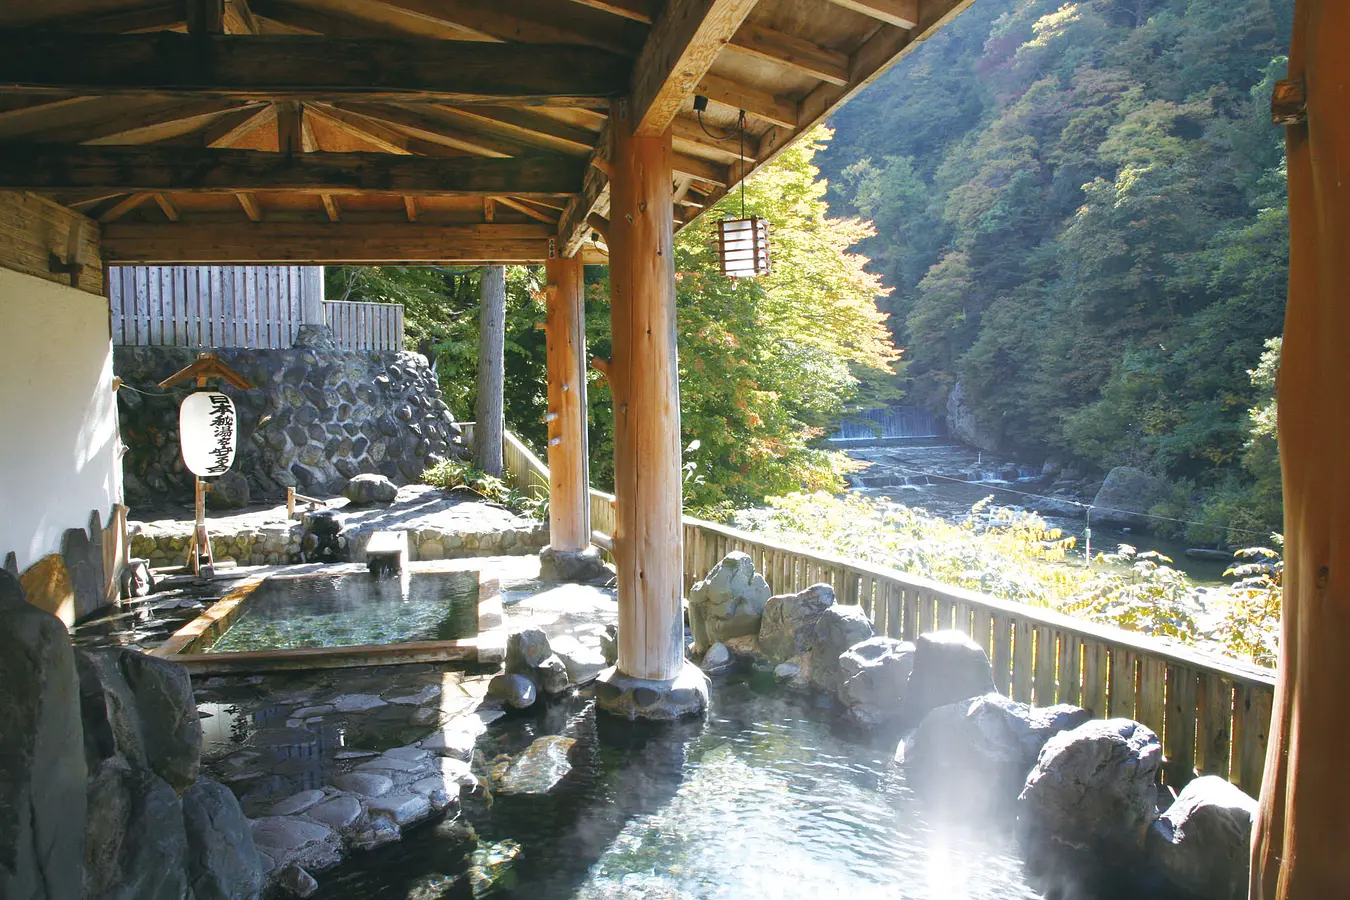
x,y
206,432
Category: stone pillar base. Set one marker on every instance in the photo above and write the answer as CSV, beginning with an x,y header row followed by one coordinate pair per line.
x,y
569,565
643,699
315,337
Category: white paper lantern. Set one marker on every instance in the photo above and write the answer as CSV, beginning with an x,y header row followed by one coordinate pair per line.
x,y
206,430
743,247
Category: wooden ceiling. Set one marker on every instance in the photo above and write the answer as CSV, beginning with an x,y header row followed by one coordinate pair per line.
x,y
408,130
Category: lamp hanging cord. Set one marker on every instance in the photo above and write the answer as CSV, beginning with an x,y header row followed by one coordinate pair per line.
x,y
731,134
740,122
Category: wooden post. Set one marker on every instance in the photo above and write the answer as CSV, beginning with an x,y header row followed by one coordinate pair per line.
x,y
645,382
565,330
1301,832
488,424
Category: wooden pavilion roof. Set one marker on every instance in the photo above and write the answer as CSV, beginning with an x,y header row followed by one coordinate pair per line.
x,y
408,130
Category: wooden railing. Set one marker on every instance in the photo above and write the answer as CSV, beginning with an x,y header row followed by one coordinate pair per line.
x,y
1212,715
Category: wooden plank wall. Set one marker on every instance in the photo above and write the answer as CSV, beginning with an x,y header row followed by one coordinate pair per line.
x,y
365,326
1212,715
34,229
235,306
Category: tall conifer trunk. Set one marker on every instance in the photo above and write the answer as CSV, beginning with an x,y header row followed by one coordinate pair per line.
x,y
487,429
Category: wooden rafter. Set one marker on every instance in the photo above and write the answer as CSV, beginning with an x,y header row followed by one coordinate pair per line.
x,y
167,207
121,208
229,130
685,38
431,124
410,208
249,203
572,226
307,68
44,167
755,101
900,13
323,242
791,52
239,18
526,125
527,209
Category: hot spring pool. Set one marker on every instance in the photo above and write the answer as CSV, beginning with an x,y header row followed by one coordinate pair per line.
x,y
345,610
759,801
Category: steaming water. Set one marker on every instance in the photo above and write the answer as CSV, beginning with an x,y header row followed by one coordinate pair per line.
x,y
345,610
759,801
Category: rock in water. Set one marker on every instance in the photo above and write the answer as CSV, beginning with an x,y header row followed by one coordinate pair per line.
x,y
526,649
294,880
42,767
516,691
873,676
539,769
1092,794
223,862
552,676
1202,842
948,666
718,660
837,629
369,489
728,603
788,627
142,708
978,752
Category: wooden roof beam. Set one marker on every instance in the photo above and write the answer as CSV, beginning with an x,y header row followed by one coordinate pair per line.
x,y
573,225
303,67
239,19
755,101
900,13
525,208
685,38
430,125
230,129
45,167
397,243
791,52
528,126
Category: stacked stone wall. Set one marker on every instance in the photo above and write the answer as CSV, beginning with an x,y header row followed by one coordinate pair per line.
x,y
315,419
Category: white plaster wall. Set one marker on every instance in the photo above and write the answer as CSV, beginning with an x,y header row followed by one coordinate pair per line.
x,y
59,457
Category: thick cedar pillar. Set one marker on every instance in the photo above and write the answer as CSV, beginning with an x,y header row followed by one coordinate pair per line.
x,y
1301,834
648,545
565,330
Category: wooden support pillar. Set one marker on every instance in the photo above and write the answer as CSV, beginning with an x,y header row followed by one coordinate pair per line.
x,y
1299,839
565,330
648,543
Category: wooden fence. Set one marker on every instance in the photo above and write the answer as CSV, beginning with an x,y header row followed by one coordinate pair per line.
x,y
365,326
235,306
1212,715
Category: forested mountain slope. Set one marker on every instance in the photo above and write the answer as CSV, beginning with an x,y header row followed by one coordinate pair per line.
x,y
1081,209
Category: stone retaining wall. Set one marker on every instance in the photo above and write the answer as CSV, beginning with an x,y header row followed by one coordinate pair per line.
x,y
315,419
165,544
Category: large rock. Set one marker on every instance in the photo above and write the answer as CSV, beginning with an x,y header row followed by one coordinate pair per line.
x,y
140,707
948,667
42,768
788,627
136,844
979,751
728,603
1092,793
873,676
229,491
369,489
1125,496
838,628
516,691
964,426
1203,841
526,649
223,862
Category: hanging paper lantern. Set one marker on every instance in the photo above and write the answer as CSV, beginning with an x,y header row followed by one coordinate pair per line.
x,y
743,247
206,430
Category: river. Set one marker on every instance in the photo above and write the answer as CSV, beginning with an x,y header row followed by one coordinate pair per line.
x,y
944,478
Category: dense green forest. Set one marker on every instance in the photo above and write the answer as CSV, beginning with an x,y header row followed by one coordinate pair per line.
x,y
1081,211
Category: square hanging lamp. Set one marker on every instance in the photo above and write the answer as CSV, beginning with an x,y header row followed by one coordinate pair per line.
x,y
743,247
